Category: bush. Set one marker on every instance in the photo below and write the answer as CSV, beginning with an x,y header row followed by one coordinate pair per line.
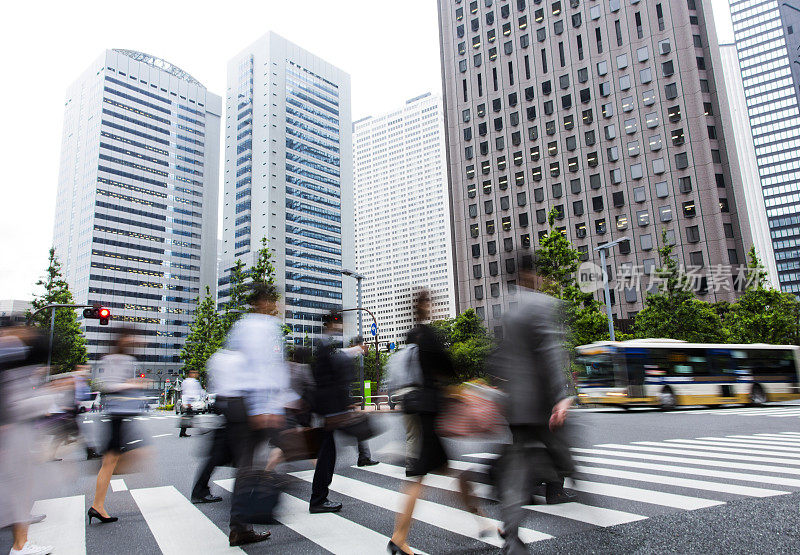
x,y
171,406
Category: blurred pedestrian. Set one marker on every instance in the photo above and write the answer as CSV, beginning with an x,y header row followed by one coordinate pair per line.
x,y
333,377
424,404
256,392
222,370
123,398
23,351
530,365
191,393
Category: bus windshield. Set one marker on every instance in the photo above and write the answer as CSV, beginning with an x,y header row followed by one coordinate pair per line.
x,y
598,369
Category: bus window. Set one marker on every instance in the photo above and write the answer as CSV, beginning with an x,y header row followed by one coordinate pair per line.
x,y
599,370
688,363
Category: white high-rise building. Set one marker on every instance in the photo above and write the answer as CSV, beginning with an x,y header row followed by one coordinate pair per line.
x,y
289,177
136,212
767,36
402,214
747,160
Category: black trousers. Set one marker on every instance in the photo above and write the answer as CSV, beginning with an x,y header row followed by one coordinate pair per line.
x,y
188,415
219,454
323,473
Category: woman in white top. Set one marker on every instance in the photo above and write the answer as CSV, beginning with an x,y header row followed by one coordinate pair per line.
x,y
123,398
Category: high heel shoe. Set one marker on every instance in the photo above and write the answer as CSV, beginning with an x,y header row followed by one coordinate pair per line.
x,y
395,549
104,519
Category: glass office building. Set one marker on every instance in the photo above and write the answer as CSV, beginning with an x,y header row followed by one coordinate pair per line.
x,y
136,212
767,35
288,177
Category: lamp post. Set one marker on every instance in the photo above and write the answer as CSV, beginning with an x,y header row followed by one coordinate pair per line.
x,y
358,277
602,248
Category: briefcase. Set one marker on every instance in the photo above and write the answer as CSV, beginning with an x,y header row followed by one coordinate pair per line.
x,y
299,444
255,496
355,424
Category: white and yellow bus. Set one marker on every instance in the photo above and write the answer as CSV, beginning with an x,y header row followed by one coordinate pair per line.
x,y
666,373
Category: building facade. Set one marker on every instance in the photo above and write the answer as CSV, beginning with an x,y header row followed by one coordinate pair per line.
x,y
767,35
608,112
289,177
748,162
402,214
13,312
136,212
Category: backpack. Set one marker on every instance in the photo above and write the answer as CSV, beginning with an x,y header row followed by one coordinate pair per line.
x,y
403,370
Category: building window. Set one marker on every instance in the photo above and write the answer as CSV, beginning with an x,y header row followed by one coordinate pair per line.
x,y
622,222
638,194
642,218
662,189
682,160
689,209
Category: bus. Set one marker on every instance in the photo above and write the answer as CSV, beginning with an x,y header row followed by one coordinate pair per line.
x,y
667,373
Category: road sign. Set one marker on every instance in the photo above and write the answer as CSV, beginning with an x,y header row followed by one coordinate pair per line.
x,y
374,328
391,346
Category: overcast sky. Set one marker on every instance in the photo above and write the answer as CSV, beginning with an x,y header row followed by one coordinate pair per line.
x,y
390,49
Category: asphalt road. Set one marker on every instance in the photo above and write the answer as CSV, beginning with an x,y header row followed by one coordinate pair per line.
x,y
691,481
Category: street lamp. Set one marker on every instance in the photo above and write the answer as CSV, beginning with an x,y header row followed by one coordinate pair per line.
x,y
602,248
358,277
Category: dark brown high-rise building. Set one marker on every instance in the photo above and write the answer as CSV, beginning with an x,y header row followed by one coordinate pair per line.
x,y
611,112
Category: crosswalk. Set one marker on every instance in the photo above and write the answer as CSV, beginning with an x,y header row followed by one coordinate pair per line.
x,y
618,485
784,411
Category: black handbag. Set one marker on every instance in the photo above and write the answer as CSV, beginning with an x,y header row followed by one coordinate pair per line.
x,y
354,424
421,400
255,496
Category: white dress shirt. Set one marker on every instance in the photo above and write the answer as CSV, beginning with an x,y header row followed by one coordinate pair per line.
x,y
223,368
264,378
191,391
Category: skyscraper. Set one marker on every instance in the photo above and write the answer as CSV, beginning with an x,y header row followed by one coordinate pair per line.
x,y
748,163
611,114
402,214
136,212
289,176
767,38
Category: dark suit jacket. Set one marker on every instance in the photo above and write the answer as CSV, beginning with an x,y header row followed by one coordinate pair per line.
x,y
531,360
333,375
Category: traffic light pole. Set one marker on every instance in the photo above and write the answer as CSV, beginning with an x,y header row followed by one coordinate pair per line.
x,y
377,354
53,308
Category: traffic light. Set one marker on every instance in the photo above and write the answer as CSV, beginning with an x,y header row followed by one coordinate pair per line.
x,y
98,312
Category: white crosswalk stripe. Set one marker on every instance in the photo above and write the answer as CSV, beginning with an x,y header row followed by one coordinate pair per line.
x,y
178,526
64,526
435,514
597,516
627,483
328,530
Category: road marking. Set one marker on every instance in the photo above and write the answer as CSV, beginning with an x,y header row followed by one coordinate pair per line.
x,y
162,435
681,482
126,420
142,418
332,531
687,451
105,420
573,511
750,442
178,526
441,516
134,441
65,525
118,485
725,462
704,462
158,417
741,476
644,495
713,446
482,456
88,421
777,438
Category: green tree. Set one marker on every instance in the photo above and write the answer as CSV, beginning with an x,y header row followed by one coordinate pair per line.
x,y
69,345
470,345
205,337
237,298
369,366
674,312
762,314
557,263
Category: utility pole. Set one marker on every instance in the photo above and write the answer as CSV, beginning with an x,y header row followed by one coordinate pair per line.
x,y
602,248
358,277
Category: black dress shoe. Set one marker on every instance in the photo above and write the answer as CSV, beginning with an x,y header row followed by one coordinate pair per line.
x,y
206,499
367,462
243,537
325,507
554,498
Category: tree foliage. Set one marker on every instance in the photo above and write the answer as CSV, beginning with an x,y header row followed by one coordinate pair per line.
x,y
204,338
762,314
674,312
557,263
467,342
69,345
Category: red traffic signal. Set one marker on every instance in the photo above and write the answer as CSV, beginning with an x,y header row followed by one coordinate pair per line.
x,y
141,375
98,312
